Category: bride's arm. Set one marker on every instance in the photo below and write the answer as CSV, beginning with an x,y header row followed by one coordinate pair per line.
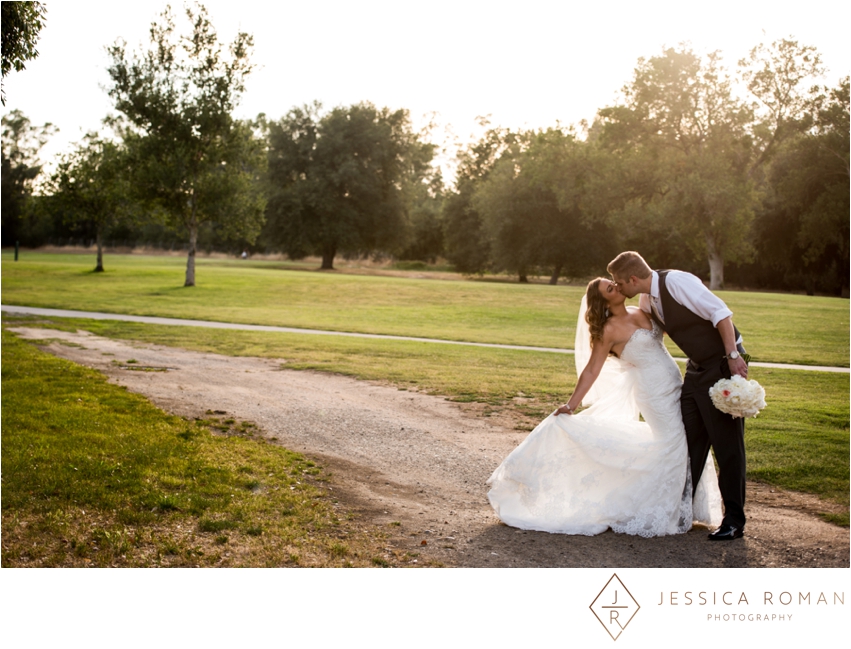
x,y
592,370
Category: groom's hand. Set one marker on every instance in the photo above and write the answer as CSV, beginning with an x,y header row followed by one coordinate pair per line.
x,y
738,366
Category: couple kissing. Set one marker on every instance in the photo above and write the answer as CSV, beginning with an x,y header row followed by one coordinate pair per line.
x,y
636,459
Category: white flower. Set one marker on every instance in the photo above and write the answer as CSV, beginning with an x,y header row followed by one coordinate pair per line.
x,y
738,397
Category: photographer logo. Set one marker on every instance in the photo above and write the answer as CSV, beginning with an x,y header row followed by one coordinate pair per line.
x,y
614,607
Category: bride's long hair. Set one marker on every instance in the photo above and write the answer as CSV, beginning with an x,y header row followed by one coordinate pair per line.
x,y
597,310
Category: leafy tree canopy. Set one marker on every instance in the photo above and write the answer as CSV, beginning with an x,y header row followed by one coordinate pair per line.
x,y
91,186
708,148
343,182
803,230
22,22
21,143
191,159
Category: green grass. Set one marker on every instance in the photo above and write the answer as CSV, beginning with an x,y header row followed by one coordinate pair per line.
x,y
799,442
777,327
96,476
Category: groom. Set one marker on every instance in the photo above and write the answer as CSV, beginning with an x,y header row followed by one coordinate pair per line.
x,y
702,326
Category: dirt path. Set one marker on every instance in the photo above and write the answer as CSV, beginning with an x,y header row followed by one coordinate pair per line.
x,y
422,461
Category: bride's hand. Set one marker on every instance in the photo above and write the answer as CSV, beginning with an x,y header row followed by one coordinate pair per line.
x,y
565,410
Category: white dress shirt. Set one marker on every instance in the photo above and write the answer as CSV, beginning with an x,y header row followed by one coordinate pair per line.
x,y
688,290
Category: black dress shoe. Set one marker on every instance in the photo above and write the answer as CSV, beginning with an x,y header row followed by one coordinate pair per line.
x,y
727,533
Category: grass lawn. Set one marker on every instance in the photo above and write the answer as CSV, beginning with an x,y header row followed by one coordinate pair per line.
x,y
96,476
799,442
777,327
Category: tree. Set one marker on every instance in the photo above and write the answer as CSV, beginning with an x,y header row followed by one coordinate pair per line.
x,y
618,193
508,206
22,22
681,118
90,187
534,207
781,80
689,124
576,239
466,244
342,182
191,159
21,144
424,240
803,232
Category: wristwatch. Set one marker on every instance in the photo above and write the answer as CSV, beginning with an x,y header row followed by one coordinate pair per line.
x,y
733,354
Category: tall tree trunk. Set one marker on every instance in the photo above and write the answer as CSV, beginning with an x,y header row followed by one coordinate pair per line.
x,y
716,265
556,274
328,255
99,240
522,277
193,242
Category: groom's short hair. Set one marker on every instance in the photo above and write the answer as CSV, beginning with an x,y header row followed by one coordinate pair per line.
x,y
627,264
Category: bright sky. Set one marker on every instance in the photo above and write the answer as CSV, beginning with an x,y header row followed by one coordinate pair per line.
x,y
526,64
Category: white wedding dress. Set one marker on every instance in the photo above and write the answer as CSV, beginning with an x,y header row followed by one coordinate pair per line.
x,y
605,468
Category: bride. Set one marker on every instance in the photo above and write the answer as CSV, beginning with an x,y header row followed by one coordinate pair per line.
x,y
604,467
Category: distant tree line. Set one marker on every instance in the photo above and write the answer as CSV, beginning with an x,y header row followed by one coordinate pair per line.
x,y
751,190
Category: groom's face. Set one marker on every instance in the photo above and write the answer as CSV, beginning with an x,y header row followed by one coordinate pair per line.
x,y
626,286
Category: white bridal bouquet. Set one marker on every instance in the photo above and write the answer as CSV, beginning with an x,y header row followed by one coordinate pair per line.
x,y
738,396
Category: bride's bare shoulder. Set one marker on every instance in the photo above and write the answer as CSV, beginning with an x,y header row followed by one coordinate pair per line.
x,y
635,311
